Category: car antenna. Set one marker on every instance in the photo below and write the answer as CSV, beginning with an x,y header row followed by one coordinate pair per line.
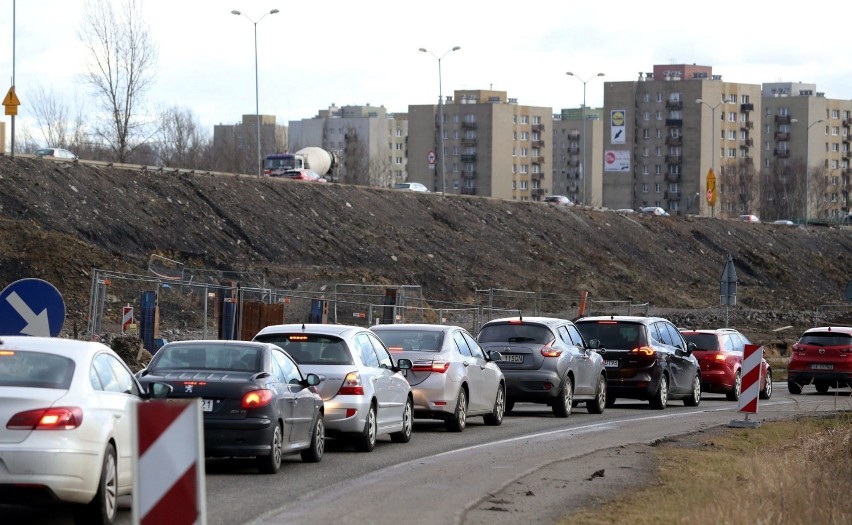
x,y
303,327
520,316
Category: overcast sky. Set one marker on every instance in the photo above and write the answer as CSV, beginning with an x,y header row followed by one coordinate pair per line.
x,y
315,53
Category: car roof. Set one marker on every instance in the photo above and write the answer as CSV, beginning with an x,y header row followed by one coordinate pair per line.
x,y
339,330
626,318
52,345
709,331
841,329
220,343
531,319
425,327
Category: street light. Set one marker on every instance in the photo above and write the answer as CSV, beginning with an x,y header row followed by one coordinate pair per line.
x,y
256,88
440,116
713,151
585,137
692,200
807,182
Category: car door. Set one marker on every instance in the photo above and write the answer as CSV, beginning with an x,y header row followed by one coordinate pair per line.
x,y
485,375
575,355
284,401
591,362
682,364
394,386
300,399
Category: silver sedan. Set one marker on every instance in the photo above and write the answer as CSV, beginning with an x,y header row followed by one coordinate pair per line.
x,y
452,377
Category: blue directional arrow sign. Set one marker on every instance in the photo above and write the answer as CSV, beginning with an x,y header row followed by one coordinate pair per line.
x,y
31,307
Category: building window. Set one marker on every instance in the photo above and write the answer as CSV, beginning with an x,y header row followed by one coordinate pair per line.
x,y
645,187
524,152
646,133
658,169
525,119
536,119
646,116
525,168
523,185
524,135
732,152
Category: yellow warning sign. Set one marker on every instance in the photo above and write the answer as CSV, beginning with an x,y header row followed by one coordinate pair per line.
x,y
11,102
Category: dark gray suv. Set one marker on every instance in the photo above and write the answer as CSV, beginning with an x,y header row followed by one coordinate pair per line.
x,y
546,360
646,358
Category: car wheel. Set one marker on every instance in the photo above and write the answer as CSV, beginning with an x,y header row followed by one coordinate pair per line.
x,y
734,393
104,506
661,397
563,403
510,405
496,416
695,397
270,463
610,400
596,405
821,387
766,393
366,442
314,453
794,387
404,435
459,418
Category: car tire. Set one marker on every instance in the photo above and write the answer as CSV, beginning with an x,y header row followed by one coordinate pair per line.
x,y
822,387
366,442
661,396
270,463
510,405
313,454
694,397
734,393
458,420
766,393
404,435
610,400
564,400
103,508
597,405
495,417
794,387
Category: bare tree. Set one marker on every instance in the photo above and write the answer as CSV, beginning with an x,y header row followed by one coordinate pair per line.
x,y
121,68
181,141
782,190
354,160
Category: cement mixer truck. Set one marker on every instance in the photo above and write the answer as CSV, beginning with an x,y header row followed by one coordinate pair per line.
x,y
312,158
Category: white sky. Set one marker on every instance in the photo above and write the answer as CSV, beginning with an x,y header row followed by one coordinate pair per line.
x,y
315,53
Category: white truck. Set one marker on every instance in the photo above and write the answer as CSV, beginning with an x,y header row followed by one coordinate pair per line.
x,y
312,158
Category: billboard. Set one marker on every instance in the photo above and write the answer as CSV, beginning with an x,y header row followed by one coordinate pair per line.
x,y
617,126
616,160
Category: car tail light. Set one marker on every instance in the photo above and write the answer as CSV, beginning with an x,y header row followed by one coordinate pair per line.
x,y
719,357
439,367
548,351
352,385
256,399
644,350
395,349
57,418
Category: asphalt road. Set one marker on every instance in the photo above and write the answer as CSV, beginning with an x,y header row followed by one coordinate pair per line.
x,y
441,477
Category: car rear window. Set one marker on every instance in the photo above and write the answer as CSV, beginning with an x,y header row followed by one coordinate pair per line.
x,y
35,369
703,341
311,349
515,333
614,334
826,339
411,340
213,356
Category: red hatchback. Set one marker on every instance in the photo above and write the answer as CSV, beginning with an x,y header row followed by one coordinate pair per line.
x,y
720,356
823,356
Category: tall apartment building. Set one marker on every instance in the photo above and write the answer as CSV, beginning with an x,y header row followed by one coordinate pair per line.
x,y
806,146
664,132
576,145
235,145
370,143
492,146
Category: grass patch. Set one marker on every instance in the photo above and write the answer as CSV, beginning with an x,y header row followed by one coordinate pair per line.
x,y
794,472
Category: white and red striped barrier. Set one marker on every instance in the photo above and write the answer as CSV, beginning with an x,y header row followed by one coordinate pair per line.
x,y
750,389
126,318
168,469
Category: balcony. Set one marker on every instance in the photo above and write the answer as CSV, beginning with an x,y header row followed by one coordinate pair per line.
x,y
468,157
674,104
782,136
538,143
573,134
747,125
782,153
745,108
537,160
673,177
672,195
468,174
538,127
674,141
782,119
847,122
746,144
674,122
674,159
467,141
573,150
468,125
537,176
468,191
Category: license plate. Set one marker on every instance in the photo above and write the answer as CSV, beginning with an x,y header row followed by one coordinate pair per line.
x,y
207,405
611,363
512,359
822,367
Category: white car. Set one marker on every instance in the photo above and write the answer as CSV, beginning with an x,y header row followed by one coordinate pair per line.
x,y
65,425
654,210
410,186
57,153
362,386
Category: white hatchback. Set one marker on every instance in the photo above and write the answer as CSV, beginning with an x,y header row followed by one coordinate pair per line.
x,y
65,425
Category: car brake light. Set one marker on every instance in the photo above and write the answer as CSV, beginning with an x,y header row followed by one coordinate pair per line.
x,y
256,399
644,350
395,349
438,367
607,322
6,353
549,351
351,385
720,357
58,418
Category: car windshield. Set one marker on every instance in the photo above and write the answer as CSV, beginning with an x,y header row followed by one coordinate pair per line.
x,y
311,349
212,356
515,333
614,334
35,369
411,340
703,341
826,339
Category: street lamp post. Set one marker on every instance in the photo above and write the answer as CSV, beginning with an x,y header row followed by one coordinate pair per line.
x,y
585,138
807,182
441,116
256,85
713,152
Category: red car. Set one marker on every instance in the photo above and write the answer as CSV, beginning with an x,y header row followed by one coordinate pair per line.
x,y
823,356
720,356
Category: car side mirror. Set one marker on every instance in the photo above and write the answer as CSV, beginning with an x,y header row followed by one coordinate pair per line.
x,y
158,390
594,344
494,355
404,364
312,380
690,347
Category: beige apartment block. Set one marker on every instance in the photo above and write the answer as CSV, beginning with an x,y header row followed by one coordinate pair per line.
x,y
806,153
577,155
369,143
663,133
490,146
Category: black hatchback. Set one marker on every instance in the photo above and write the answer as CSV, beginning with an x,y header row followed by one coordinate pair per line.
x,y
254,399
646,358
